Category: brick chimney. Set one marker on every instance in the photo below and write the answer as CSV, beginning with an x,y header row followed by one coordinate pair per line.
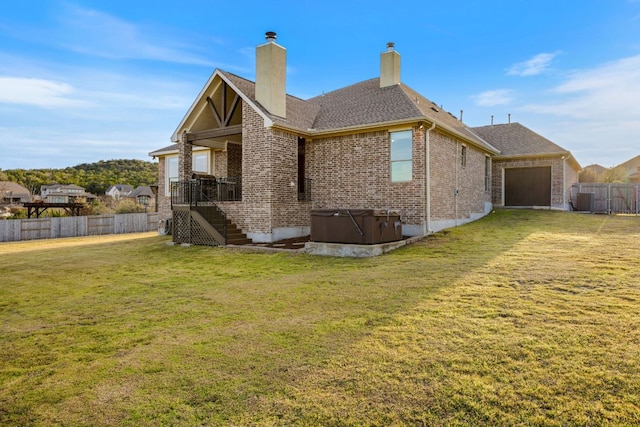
x,y
271,66
389,66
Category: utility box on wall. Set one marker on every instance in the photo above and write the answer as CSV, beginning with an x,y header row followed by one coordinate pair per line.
x,y
355,226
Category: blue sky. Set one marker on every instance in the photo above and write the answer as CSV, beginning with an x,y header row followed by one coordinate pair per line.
x,y
83,80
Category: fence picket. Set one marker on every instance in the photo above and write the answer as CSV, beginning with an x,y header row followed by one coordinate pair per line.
x,y
13,230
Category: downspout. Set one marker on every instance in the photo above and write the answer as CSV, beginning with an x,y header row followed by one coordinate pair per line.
x,y
564,183
427,183
455,194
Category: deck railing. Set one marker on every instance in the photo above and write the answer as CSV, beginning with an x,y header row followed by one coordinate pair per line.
x,y
196,192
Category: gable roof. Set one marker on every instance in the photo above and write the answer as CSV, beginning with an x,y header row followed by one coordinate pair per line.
x,y
10,188
595,168
123,188
141,190
632,165
358,106
516,140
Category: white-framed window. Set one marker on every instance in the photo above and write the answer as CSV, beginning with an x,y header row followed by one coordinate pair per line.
x,y
463,156
170,172
401,149
200,162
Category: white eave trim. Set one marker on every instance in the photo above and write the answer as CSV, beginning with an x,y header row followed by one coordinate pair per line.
x,y
267,121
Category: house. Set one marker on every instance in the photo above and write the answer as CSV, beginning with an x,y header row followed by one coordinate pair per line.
x,y
69,193
272,157
632,167
592,173
143,195
12,193
530,170
118,190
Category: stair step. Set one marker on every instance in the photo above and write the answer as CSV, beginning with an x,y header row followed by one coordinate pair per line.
x,y
239,241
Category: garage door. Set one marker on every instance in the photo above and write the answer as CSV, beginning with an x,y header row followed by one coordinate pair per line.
x,y
527,186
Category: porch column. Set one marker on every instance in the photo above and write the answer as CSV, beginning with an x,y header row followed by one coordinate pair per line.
x,y
185,158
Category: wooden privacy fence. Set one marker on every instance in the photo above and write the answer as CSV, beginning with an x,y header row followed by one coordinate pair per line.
x,y
14,230
606,198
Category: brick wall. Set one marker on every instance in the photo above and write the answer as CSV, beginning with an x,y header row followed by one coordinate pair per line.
x,y
352,171
234,160
448,174
220,160
164,202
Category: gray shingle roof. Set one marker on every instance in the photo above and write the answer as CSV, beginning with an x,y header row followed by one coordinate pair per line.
x,y
362,104
300,113
164,150
14,189
513,139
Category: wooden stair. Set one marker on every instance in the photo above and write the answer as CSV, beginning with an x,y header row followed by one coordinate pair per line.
x,y
235,236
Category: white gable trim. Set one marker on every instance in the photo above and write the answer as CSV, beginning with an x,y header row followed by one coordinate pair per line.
x,y
267,121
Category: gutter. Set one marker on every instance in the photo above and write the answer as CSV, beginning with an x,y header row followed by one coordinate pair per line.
x,y
480,143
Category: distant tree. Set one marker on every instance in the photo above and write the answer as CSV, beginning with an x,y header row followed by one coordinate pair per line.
x,y
587,175
129,206
96,178
615,175
97,207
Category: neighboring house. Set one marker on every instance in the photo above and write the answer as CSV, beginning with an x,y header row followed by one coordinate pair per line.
x,y
143,195
592,173
376,144
530,170
71,193
12,193
632,166
118,190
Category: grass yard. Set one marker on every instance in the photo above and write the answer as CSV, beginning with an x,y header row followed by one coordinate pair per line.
x,y
522,318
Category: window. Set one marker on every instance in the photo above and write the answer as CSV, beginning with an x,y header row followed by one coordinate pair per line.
x,y
463,156
170,172
487,173
401,156
200,162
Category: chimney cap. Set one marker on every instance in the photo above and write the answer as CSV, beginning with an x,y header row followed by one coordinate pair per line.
x,y
271,36
390,45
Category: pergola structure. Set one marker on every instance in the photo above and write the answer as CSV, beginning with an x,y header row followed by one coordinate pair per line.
x,y
72,209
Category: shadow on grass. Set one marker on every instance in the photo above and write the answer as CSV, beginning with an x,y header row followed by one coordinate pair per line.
x,y
143,333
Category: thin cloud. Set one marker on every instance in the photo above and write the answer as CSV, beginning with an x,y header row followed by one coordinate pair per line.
x,y
93,32
592,109
37,92
99,34
491,98
534,66
608,92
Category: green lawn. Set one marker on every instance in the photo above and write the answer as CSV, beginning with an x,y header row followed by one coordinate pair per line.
x,y
522,318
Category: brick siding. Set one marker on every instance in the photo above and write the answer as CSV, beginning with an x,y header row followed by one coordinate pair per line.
x,y
164,202
353,171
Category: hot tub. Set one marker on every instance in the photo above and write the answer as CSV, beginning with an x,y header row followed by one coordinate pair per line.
x,y
355,226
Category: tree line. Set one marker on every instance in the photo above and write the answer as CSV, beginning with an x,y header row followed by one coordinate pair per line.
x,y
96,177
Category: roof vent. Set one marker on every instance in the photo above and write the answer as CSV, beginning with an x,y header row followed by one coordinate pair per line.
x,y
270,36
